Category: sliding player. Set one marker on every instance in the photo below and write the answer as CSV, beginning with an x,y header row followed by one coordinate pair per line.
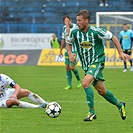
x,y
11,96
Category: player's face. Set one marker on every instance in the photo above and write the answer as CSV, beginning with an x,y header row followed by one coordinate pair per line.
x,y
125,27
69,21
53,36
82,23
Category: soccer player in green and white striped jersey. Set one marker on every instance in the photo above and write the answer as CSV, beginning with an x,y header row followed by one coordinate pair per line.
x,y
70,66
89,43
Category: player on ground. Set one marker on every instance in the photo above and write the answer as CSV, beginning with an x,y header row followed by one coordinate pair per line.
x,y
70,66
89,43
10,96
126,38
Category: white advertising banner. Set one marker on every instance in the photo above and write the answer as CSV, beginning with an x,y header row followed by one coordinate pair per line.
x,y
26,41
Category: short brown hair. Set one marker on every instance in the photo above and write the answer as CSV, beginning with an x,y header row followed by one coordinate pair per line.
x,y
66,16
124,24
85,14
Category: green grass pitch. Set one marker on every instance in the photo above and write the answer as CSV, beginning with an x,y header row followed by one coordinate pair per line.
x,y
49,82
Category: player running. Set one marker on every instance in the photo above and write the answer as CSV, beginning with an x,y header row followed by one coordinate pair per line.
x,y
70,66
89,43
126,38
10,96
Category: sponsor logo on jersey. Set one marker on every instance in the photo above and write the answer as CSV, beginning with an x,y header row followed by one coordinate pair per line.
x,y
93,66
125,37
86,45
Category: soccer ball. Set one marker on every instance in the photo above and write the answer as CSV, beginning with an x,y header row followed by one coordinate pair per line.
x,y
53,109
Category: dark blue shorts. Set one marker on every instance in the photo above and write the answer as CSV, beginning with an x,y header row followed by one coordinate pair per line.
x,y
127,52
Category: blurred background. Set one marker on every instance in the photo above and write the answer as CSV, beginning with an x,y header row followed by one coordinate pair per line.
x,y
45,16
30,24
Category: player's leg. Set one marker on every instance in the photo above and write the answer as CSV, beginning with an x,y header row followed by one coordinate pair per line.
x,y
125,67
86,83
9,102
125,63
99,86
69,78
91,75
76,73
68,72
108,95
32,96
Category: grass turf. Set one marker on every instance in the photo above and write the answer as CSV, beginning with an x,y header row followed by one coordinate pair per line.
x,y
49,82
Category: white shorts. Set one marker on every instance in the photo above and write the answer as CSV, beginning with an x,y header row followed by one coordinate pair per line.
x,y
9,92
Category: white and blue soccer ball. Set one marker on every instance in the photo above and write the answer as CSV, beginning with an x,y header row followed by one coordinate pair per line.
x,y
53,109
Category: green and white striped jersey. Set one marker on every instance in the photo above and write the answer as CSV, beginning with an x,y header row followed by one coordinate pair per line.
x,y
89,45
65,34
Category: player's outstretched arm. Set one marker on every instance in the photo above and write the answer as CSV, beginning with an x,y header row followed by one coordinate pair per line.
x,y
66,21
16,92
61,48
122,55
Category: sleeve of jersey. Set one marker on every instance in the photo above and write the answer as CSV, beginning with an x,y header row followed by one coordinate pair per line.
x,y
105,34
9,81
108,35
70,39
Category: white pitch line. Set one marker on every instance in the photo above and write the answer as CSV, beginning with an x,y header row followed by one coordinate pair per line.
x,y
80,101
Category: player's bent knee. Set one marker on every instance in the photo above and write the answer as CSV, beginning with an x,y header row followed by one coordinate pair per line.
x,y
84,84
102,92
72,68
27,92
68,68
11,102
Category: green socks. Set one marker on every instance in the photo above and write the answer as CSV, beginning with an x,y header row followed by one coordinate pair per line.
x,y
69,77
112,99
76,74
109,97
90,99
